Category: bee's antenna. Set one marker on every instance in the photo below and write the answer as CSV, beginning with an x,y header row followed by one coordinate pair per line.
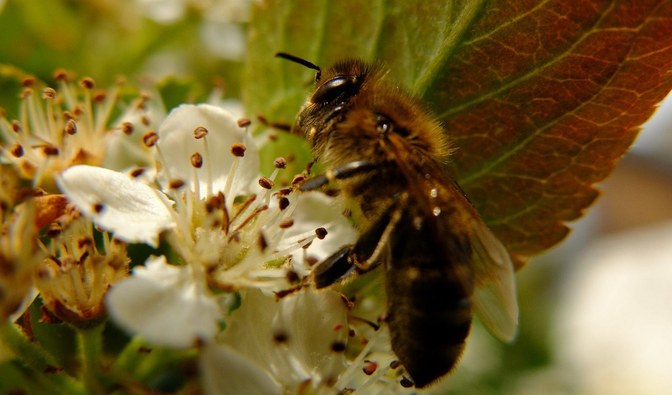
x,y
302,62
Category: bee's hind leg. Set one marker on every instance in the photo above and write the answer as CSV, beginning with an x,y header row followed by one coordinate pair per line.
x,y
370,250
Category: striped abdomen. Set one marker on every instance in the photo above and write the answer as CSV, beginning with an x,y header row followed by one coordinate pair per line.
x,y
429,286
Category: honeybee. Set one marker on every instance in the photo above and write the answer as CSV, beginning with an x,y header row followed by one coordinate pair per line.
x,y
388,156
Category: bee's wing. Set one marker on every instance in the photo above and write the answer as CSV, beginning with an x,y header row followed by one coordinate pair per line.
x,y
494,299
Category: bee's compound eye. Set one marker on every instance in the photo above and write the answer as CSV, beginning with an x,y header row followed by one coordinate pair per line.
x,y
336,87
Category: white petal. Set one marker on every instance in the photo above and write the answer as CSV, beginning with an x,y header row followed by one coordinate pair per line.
x,y
311,321
165,305
132,210
315,209
314,322
177,144
226,371
249,327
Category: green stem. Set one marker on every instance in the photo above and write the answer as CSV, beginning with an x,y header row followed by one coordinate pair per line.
x,y
30,353
32,356
90,342
130,357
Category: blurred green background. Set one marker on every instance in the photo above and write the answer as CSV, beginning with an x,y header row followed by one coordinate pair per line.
x,y
198,42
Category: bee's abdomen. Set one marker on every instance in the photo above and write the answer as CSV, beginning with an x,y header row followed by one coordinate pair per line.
x,y
429,301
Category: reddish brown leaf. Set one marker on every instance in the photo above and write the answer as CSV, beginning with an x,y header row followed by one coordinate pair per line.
x,y
542,97
542,101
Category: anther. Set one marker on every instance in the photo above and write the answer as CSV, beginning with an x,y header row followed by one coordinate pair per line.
x,y
70,127
286,223
149,139
280,163
338,346
214,203
127,128
28,82
61,75
200,132
238,149
243,122
261,241
50,150
369,367
266,183
135,173
49,93
98,208
321,233
196,160
16,150
284,191
87,83
16,126
99,96
283,203
298,178
175,184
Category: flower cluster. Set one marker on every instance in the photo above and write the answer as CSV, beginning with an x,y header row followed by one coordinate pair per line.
x,y
225,279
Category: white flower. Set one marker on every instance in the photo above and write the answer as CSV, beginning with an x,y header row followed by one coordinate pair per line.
x,y
134,211
165,304
65,126
229,232
225,371
297,342
177,144
74,279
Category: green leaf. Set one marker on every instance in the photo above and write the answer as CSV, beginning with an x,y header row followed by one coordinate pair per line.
x,y
410,37
541,98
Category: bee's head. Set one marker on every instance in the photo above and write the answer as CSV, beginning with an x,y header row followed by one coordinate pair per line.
x,y
355,113
335,89
339,84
